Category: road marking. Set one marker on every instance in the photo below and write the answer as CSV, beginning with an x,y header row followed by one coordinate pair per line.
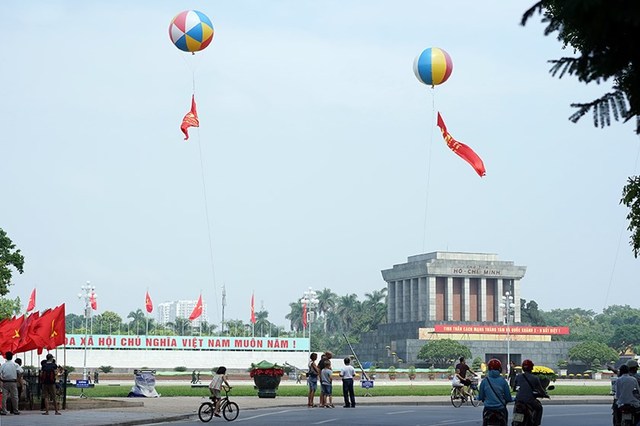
x,y
400,412
324,421
263,415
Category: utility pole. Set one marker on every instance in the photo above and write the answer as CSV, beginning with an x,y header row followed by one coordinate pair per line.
x,y
224,303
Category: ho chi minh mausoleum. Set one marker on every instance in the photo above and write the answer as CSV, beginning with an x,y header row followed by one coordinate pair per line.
x,y
458,296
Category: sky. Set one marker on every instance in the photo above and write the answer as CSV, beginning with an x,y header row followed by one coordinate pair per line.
x,y
317,162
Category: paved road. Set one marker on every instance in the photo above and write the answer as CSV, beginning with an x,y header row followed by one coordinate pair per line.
x,y
560,415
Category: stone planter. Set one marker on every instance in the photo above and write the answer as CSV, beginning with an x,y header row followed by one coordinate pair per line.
x,y
267,385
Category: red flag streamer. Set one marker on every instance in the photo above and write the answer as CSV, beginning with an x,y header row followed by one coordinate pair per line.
x,y
461,149
190,119
197,311
148,303
94,301
253,311
304,315
32,301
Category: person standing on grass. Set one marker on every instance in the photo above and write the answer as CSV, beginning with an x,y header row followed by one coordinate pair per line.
x,y
312,378
347,373
326,382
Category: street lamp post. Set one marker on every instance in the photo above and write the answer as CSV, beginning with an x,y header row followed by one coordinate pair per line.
x,y
87,293
508,309
310,299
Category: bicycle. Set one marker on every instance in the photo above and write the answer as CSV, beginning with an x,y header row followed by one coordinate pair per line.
x,y
230,410
460,394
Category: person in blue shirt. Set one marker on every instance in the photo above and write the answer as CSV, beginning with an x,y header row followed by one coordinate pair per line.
x,y
494,391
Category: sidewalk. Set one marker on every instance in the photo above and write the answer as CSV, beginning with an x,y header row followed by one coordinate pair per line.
x,y
140,411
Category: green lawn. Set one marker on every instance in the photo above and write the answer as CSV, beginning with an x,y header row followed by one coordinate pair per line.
x,y
247,390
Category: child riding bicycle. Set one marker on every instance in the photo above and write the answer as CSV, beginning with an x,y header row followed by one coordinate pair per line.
x,y
218,381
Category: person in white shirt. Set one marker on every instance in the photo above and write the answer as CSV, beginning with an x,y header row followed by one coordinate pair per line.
x,y
627,389
9,376
347,373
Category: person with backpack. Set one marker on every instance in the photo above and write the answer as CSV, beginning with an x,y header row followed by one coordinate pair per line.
x,y
48,381
494,392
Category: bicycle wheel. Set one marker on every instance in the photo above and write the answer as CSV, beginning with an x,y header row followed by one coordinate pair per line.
x,y
205,412
456,400
230,411
474,393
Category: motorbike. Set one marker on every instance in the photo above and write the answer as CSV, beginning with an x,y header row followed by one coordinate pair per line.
x,y
628,415
523,414
493,418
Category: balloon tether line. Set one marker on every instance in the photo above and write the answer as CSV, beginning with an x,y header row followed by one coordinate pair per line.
x,y
426,202
204,192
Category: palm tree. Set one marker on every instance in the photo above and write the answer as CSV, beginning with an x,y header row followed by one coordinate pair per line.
x,y
295,316
235,327
347,309
326,304
262,323
138,320
376,304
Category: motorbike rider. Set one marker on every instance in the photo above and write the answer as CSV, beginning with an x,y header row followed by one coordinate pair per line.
x,y
494,391
528,388
627,389
633,369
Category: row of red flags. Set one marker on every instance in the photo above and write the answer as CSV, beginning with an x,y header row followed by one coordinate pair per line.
x,y
28,332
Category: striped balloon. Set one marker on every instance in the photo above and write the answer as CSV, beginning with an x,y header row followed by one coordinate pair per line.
x,y
191,31
433,66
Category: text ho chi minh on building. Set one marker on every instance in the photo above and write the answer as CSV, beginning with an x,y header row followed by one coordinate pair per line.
x,y
463,297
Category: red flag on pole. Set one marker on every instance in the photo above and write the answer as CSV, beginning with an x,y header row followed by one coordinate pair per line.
x,y
461,149
190,119
304,315
32,301
253,311
94,301
197,311
147,303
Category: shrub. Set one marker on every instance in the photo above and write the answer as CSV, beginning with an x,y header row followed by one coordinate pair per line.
x,y
180,368
106,368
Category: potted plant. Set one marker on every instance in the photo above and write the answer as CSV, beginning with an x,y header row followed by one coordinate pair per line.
x,y
412,372
266,377
392,372
545,374
372,372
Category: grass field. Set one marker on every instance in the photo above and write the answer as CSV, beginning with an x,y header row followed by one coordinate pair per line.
x,y
102,391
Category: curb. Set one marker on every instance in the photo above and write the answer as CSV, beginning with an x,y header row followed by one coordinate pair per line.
x,y
153,420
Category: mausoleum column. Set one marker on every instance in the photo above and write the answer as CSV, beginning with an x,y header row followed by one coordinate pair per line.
x,y
483,299
391,303
431,289
466,312
499,294
448,300
423,300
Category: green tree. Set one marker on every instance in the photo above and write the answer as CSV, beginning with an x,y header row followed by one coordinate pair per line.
x,y
10,259
295,316
601,34
138,321
326,304
625,337
9,307
593,354
443,353
262,325
530,314
110,322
